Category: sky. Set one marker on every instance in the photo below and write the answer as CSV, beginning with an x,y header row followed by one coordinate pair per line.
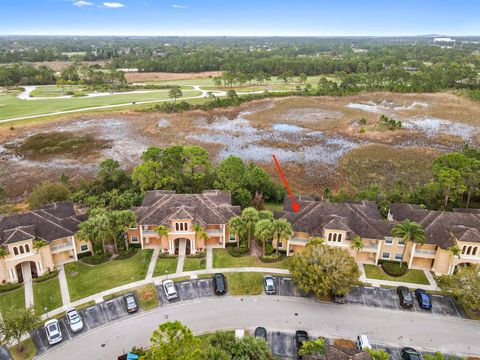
x,y
240,17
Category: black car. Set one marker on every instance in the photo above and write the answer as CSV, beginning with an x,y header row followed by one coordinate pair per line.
x,y
411,354
300,337
261,332
424,299
405,296
130,303
219,284
339,299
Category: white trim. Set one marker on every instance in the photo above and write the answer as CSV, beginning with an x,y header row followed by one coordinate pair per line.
x,y
74,248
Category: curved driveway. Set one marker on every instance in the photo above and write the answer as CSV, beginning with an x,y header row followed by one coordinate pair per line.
x,y
396,328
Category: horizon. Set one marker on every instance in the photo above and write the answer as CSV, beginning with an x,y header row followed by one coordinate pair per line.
x,y
190,18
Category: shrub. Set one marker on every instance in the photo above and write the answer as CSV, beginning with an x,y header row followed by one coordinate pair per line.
x,y
47,193
125,254
135,246
198,255
47,276
393,268
9,287
95,259
237,252
268,249
271,258
84,254
166,256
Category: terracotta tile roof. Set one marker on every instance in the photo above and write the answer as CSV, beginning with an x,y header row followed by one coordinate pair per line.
x,y
441,227
49,222
210,207
357,218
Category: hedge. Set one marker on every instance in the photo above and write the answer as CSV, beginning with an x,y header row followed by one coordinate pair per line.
x,y
271,258
198,255
9,287
84,254
135,246
45,277
166,256
237,252
95,259
125,254
393,268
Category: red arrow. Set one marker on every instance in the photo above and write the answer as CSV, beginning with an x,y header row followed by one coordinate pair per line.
x,y
295,205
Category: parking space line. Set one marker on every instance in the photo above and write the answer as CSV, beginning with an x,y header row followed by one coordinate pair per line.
x,y
363,296
377,293
103,313
455,307
44,347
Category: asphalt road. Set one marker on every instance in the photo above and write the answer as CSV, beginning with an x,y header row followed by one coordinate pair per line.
x,y
389,327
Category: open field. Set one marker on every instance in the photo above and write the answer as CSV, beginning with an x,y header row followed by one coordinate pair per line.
x,y
318,140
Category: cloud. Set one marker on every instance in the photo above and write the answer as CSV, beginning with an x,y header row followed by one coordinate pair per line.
x,y
179,6
82,3
113,5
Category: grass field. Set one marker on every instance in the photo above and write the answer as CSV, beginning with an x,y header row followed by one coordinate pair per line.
x,y
165,266
84,280
14,107
53,90
222,259
247,283
14,298
194,264
46,295
412,276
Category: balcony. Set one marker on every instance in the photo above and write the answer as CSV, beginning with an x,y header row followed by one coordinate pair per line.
x,y
425,253
370,248
298,241
61,247
149,233
214,232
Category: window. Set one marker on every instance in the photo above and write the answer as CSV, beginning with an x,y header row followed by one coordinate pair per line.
x,y
134,238
339,238
401,242
475,251
330,237
186,226
388,241
21,249
15,251
386,255
27,248
84,248
469,250
464,249
399,257
232,238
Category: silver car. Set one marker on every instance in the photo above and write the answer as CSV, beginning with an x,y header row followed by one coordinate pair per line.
x,y
169,289
269,285
74,320
54,334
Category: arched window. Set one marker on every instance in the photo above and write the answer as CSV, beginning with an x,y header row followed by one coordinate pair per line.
x,y
330,237
27,248
15,251
176,226
339,237
186,226
475,251
469,250
334,237
464,249
21,249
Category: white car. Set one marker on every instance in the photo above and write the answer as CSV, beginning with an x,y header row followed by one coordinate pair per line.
x,y
54,334
170,291
74,320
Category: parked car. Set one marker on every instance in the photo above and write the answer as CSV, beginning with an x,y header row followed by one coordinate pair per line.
x,y
405,296
54,334
74,320
169,289
219,284
130,302
339,299
411,354
363,343
424,299
269,285
261,332
300,337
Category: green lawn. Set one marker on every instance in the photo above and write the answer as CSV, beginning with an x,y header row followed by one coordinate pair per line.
x,y
165,266
194,264
412,276
222,259
14,298
53,90
28,352
46,294
12,107
84,280
247,283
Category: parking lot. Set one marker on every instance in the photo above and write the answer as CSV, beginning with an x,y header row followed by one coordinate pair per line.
x,y
282,344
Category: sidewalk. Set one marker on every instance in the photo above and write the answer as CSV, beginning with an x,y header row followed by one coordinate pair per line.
x,y
153,261
27,284
378,283
62,278
209,258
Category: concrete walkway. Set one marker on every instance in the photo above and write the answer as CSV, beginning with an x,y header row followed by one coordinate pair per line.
x,y
377,283
62,278
209,258
182,247
153,261
27,284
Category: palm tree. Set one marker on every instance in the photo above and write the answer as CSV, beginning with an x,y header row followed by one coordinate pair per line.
x,y
38,244
265,215
199,231
455,251
264,232
3,252
282,230
357,244
315,241
122,221
249,217
409,231
162,231
235,225
103,230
